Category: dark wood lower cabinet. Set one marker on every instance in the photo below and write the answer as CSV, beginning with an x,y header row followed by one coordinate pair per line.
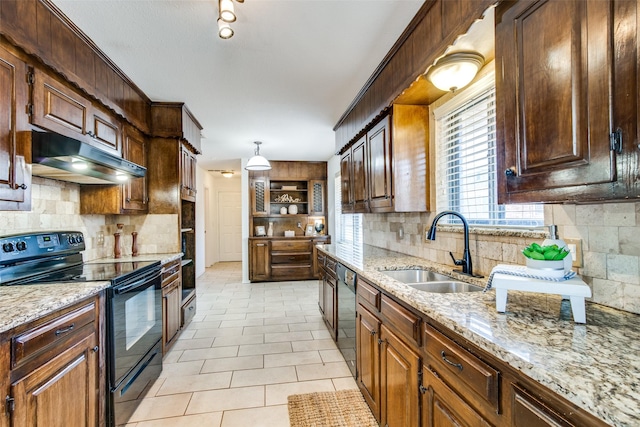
x,y
171,303
61,392
53,369
414,372
442,407
368,359
399,372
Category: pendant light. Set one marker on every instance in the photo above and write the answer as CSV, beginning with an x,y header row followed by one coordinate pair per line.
x,y
257,162
455,71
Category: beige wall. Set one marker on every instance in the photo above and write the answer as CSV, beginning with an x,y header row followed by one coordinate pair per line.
x,y
610,235
56,206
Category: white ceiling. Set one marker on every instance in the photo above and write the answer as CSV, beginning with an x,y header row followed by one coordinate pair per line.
x,y
285,78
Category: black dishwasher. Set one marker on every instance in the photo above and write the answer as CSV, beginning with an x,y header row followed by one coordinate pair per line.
x,y
347,315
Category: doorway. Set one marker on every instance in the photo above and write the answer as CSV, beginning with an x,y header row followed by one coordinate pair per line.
x,y
230,225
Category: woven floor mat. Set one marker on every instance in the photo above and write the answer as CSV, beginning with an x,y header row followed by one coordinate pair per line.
x,y
343,408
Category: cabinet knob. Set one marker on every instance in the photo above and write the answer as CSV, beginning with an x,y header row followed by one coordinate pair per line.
x,y
372,332
95,349
91,134
511,171
128,200
422,389
21,187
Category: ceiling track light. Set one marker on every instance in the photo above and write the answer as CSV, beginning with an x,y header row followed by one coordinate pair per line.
x,y
226,15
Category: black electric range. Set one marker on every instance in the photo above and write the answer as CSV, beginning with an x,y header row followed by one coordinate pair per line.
x,y
133,307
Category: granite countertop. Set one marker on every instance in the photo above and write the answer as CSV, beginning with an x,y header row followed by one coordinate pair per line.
x,y
25,303
595,366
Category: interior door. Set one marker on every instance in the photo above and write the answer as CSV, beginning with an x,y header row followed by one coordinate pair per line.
x,y
230,225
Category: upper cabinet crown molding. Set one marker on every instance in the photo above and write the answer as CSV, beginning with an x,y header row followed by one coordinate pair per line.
x,y
174,120
42,30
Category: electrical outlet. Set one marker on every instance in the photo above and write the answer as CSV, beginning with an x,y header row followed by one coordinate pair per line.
x,y
575,247
100,239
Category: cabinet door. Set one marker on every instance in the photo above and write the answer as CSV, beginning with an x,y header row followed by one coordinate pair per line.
x,y
368,359
171,306
15,178
554,98
62,392
260,197
346,182
317,198
329,289
321,280
188,175
442,407
259,260
135,190
105,131
359,176
399,371
379,162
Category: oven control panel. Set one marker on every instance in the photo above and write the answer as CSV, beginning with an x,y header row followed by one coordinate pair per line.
x,y
23,247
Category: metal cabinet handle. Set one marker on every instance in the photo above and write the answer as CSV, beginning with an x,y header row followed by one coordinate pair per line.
x,y
91,134
511,171
65,330
444,357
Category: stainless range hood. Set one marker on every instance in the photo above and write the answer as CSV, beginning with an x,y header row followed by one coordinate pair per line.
x,y
67,159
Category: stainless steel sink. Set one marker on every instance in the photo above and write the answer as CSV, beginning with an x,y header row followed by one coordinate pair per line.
x,y
445,287
416,276
430,281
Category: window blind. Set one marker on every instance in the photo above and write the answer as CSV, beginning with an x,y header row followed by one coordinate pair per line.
x,y
348,226
466,162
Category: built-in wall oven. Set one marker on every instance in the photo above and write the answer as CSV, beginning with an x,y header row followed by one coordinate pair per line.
x,y
133,353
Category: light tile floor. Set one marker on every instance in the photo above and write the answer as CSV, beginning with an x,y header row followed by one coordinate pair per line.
x,y
247,349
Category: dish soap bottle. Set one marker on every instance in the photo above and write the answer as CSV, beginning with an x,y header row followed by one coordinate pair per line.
x,y
553,239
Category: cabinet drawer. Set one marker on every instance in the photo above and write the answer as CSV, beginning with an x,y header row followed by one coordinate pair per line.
x,y
188,311
368,295
331,264
170,272
39,338
461,369
291,246
283,271
291,258
402,319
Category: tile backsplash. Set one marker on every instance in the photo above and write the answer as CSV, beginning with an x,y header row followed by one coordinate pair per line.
x,y
56,206
609,234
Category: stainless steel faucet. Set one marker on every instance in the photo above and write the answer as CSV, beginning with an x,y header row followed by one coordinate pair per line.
x,y
465,262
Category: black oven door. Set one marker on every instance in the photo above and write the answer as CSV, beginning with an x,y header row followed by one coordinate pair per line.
x,y
135,322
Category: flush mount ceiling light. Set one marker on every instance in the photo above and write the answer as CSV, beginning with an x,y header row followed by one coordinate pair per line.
x,y
226,15
227,174
455,71
257,162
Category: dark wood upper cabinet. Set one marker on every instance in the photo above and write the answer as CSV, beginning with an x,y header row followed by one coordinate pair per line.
x,y
135,190
558,63
387,169
380,158
359,176
59,108
346,190
15,175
